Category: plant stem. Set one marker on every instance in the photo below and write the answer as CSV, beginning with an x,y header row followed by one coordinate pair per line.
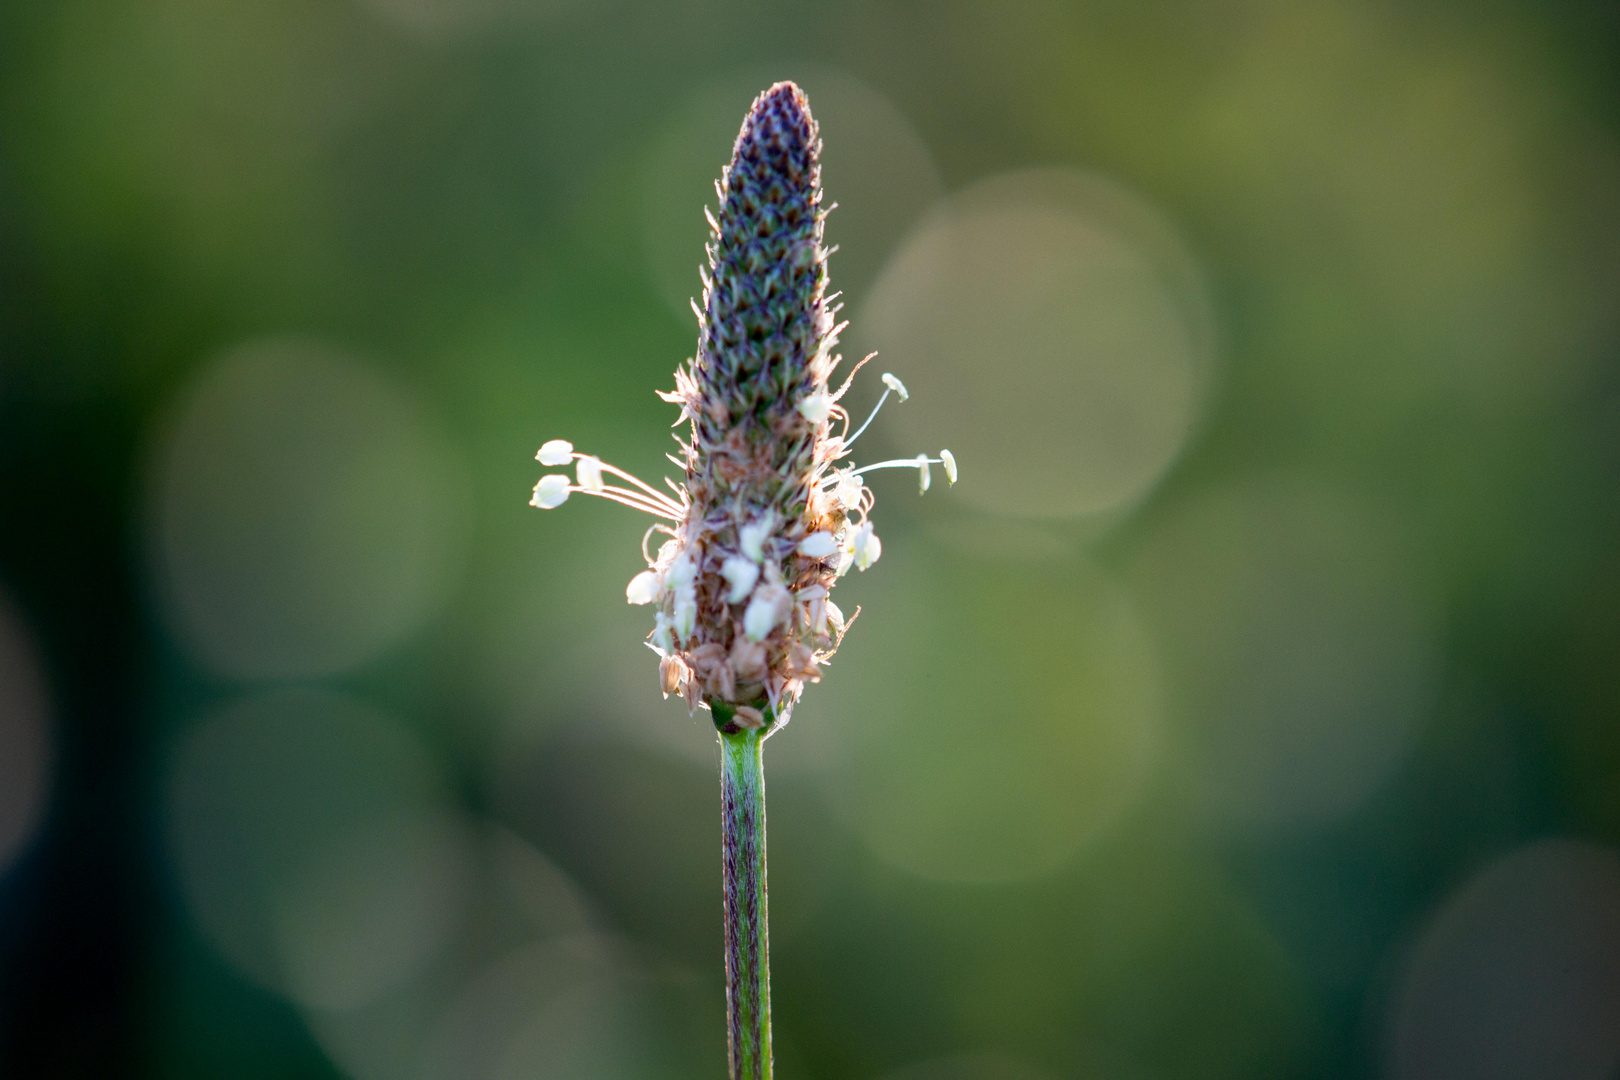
x,y
748,974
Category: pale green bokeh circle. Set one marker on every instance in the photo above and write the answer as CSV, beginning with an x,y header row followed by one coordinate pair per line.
x,y
1299,647
517,895
989,720
564,1008
1053,333
305,515
314,845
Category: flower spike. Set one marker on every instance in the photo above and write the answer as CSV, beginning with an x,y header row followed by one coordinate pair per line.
x,y
769,515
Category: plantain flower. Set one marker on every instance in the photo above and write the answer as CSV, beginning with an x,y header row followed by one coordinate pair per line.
x,y
769,513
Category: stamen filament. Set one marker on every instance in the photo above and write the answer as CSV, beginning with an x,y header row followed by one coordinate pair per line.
x,y
659,496
665,502
632,499
900,463
851,440
648,536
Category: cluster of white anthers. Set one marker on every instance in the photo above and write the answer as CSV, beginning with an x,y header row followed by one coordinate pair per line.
x,y
763,581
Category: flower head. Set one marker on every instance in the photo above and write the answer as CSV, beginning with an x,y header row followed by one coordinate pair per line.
x,y
765,522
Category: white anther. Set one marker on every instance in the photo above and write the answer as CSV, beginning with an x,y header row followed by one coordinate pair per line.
x,y
949,461
868,548
685,613
835,618
751,537
681,572
662,639
589,472
848,490
924,475
817,407
644,588
846,556
770,605
741,573
555,452
551,492
818,545
896,385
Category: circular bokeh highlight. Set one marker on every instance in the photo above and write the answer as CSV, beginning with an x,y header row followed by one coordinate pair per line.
x,y
1054,333
1517,976
1300,648
315,846
988,720
305,515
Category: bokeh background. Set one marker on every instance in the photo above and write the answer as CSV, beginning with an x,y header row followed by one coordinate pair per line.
x,y
1250,709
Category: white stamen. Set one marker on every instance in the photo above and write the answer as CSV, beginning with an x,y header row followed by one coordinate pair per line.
x,y
818,545
681,572
662,639
589,472
751,537
556,452
924,478
685,612
896,385
947,459
551,492
817,407
835,617
770,605
871,416
741,573
848,490
644,588
868,548
919,461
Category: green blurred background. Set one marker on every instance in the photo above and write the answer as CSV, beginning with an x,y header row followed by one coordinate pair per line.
x,y
1248,710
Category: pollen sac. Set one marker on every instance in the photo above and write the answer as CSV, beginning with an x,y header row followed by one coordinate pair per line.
x,y
589,474
551,492
555,452
740,573
644,588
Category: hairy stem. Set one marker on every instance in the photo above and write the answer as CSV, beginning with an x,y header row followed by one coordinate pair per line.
x,y
748,974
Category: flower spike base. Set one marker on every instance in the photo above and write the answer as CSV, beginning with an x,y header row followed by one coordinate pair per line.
x,y
748,973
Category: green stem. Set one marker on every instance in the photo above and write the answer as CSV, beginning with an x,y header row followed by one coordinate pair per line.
x,y
748,970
